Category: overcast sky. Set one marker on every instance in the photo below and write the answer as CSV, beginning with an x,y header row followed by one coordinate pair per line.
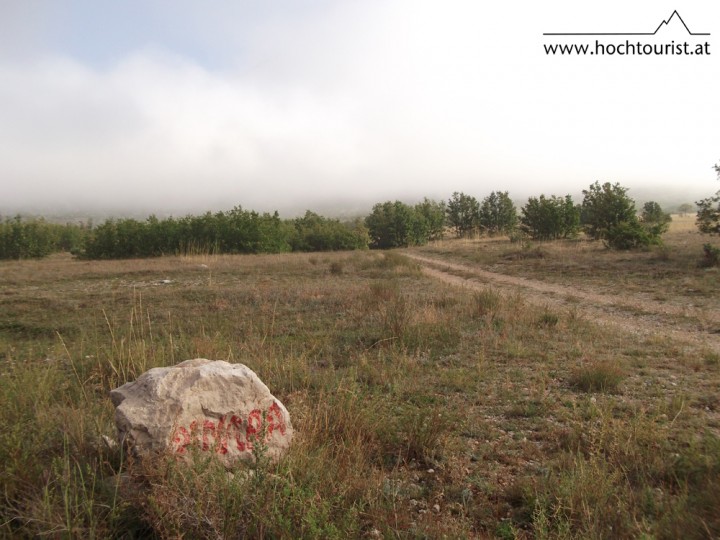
x,y
180,106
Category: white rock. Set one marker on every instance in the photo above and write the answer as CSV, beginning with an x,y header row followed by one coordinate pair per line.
x,y
110,443
211,406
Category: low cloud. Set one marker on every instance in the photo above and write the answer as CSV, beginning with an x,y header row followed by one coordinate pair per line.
x,y
354,105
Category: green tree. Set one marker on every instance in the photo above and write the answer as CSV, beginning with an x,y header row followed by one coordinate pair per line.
x,y
463,213
685,208
708,216
550,218
654,220
434,214
708,222
604,207
498,214
608,214
317,233
395,224
28,239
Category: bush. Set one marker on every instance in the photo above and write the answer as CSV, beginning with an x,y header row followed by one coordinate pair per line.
x,y
712,256
631,235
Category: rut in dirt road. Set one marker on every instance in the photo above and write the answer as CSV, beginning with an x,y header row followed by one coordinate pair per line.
x,y
636,316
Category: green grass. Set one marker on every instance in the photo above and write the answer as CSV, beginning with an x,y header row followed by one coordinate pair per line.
x,y
421,410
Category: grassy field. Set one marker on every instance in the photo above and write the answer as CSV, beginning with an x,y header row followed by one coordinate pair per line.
x,y
421,409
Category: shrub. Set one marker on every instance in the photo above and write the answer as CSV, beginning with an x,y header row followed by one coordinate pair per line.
x,y
630,235
712,256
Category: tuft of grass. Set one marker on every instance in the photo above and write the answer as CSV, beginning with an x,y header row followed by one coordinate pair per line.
x,y
711,359
527,409
527,252
388,305
598,376
395,260
548,319
486,303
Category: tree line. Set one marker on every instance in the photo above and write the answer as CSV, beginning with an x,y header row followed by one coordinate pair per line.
x,y
36,238
234,232
606,213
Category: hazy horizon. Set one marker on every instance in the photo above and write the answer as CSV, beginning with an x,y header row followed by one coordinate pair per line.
x,y
342,209
332,106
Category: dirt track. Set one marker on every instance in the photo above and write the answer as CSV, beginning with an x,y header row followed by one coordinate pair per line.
x,y
695,327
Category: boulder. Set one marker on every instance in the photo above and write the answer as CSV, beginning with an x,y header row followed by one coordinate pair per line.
x,y
210,406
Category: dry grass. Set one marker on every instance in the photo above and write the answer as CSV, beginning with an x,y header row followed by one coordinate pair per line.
x,y
422,410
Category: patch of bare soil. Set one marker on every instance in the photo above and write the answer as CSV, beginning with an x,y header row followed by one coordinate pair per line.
x,y
695,327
